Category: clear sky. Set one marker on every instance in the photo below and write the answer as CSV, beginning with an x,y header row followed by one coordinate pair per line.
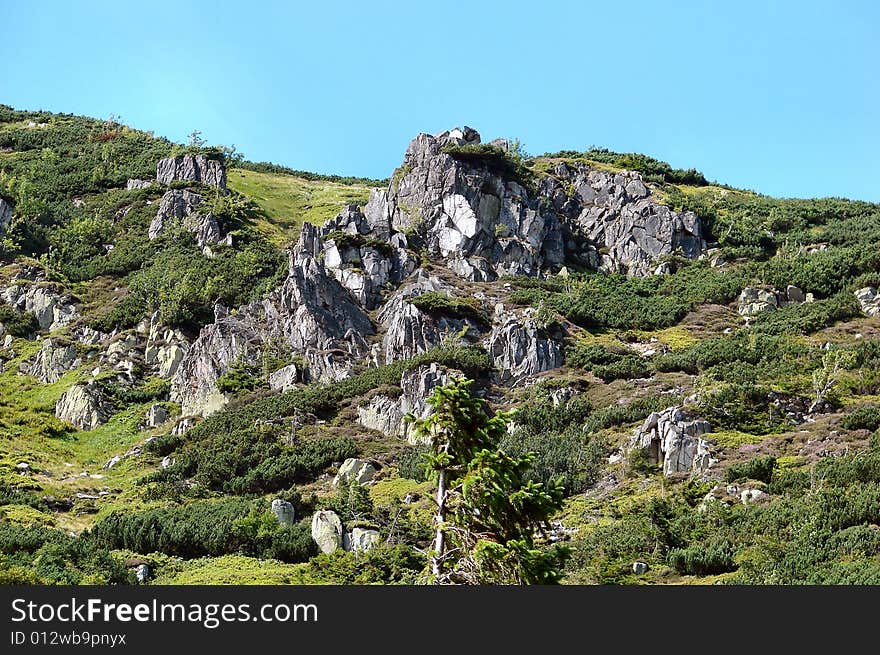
x,y
779,97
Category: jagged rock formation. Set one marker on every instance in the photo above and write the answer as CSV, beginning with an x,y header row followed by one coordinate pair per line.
x,y
673,441
519,350
386,414
869,301
191,168
181,206
327,530
134,184
83,405
360,539
52,309
53,360
156,416
284,378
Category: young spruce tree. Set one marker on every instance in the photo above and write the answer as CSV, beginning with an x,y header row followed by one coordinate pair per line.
x,y
488,512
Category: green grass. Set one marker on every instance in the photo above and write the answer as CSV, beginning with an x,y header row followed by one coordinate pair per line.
x,y
287,201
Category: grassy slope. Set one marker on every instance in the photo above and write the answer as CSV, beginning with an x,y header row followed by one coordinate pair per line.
x,y
287,201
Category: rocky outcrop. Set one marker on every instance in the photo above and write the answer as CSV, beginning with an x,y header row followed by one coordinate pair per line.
x,y
757,300
327,530
53,360
5,215
53,310
519,350
625,230
673,441
386,414
191,168
156,416
83,405
284,512
134,184
358,471
869,301
481,223
180,206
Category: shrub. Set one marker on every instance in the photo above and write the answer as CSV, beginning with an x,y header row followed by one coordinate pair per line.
x,y
437,303
18,324
866,417
758,468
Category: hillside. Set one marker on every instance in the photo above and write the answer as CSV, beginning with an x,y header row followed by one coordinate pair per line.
x,y
203,358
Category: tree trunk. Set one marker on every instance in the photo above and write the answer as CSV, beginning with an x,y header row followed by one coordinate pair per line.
x,y
440,521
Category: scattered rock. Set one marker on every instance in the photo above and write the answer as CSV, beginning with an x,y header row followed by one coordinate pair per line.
x,y
869,301
753,301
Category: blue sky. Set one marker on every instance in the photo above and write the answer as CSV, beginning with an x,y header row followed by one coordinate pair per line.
x,y
779,97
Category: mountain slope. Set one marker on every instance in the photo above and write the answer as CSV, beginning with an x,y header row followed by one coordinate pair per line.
x,y
697,362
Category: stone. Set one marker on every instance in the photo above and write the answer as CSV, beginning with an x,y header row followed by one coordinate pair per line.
x,y
753,301
640,568
284,512
869,301
361,539
327,530
156,415
518,350
168,359
142,573
191,168
673,441
284,378
5,215
53,360
167,462
83,405
134,184
180,206
52,309
354,470
794,294
749,496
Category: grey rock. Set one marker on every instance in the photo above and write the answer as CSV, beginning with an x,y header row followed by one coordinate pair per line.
x,y
180,206
84,406
753,301
167,462
168,359
53,360
327,530
361,539
142,573
640,568
191,168
354,470
794,294
869,301
284,378
156,415
518,350
134,184
183,425
53,310
284,512
674,441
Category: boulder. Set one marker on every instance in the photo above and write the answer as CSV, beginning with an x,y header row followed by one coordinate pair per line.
x,y
134,184
869,301
327,530
142,573
52,309
191,168
354,470
673,441
640,568
5,215
284,512
519,350
83,405
53,360
180,206
284,378
156,415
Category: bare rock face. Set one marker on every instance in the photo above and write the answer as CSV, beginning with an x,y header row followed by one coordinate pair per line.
x,y
674,441
327,530
181,206
519,350
54,359
191,168
386,414
284,378
84,406
156,416
869,301
359,471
